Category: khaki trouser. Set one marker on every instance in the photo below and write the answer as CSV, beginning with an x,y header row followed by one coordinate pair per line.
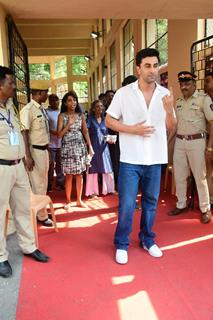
x,y
39,176
191,154
209,169
15,192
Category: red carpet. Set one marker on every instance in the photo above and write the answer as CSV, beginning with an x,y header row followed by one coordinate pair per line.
x,y
82,281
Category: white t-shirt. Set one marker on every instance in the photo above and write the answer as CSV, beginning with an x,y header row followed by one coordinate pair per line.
x,y
55,142
129,106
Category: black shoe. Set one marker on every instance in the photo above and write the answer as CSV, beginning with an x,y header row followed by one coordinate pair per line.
x,y
177,211
206,216
38,256
59,188
47,222
5,269
137,206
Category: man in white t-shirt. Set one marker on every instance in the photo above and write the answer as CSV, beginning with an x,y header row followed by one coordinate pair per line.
x,y
140,112
54,145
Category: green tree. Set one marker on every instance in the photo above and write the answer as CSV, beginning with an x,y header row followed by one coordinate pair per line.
x,y
61,68
81,89
162,44
79,65
39,71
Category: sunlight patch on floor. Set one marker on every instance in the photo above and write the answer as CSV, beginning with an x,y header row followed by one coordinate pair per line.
x,y
187,242
137,307
79,223
107,216
122,279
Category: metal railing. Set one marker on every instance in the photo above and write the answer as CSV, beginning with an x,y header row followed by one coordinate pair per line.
x,y
202,59
18,62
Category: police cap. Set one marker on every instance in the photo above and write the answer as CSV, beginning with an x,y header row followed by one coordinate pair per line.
x,y
40,86
186,76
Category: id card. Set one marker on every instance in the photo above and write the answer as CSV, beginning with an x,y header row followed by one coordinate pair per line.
x,y
13,138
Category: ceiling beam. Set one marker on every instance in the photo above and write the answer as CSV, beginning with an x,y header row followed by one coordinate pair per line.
x,y
54,22
55,32
58,43
58,52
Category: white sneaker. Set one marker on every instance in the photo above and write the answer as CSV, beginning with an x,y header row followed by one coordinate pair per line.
x,y
121,256
154,251
67,206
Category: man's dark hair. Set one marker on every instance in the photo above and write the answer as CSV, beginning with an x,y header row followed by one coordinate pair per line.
x,y
3,72
209,74
53,96
144,53
128,80
109,91
101,96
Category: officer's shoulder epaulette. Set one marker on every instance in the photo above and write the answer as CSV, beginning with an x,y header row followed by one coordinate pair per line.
x,y
27,107
202,94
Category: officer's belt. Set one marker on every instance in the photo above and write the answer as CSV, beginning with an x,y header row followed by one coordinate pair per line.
x,y
191,136
9,162
40,147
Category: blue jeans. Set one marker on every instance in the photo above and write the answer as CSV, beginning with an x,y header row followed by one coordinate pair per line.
x,y
132,176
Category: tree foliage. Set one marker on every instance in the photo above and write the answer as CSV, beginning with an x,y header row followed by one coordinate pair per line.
x,y
39,71
79,65
162,44
61,68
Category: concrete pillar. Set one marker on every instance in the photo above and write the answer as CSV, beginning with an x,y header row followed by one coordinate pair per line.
x,y
4,60
69,73
100,77
52,75
119,57
150,32
137,34
181,35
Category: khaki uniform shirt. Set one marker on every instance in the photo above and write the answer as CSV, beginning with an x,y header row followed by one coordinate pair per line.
x,y
34,119
193,113
8,151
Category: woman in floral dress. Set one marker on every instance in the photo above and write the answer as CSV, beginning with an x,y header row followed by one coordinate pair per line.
x,y
74,156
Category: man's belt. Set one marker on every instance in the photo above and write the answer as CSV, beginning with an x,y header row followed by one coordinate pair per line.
x,y
9,162
40,147
191,136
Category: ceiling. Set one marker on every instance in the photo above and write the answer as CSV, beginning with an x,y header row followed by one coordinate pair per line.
x,y
63,27
119,9
48,37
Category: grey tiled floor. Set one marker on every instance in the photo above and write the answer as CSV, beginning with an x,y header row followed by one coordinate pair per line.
x,y
9,287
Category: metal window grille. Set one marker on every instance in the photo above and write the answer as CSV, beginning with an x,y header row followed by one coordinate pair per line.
x,y
18,62
128,49
202,59
161,38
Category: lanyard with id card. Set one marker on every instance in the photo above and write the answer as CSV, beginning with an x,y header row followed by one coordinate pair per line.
x,y
13,138
12,134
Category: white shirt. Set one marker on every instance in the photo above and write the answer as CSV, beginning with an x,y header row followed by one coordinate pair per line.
x,y
129,106
55,142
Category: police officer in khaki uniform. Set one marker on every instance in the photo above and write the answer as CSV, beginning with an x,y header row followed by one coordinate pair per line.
x,y
192,111
209,149
36,137
15,188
